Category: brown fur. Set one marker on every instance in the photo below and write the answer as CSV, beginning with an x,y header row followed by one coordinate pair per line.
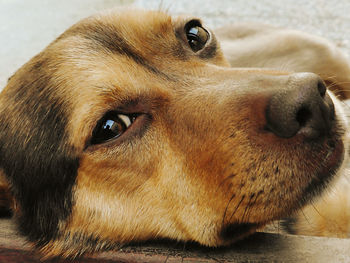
x,y
198,163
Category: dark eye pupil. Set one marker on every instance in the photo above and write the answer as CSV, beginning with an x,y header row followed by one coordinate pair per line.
x,y
110,127
197,37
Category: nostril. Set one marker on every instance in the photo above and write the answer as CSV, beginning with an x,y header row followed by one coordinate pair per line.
x,y
303,116
305,108
321,86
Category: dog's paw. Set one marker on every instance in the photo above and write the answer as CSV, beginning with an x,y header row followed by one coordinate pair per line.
x,y
328,216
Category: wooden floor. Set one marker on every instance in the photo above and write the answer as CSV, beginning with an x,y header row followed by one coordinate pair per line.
x,y
261,247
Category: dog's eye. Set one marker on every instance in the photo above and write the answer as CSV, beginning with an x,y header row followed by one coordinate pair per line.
x,y
196,35
111,126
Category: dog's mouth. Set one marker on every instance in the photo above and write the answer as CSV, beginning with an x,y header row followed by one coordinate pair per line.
x,y
331,164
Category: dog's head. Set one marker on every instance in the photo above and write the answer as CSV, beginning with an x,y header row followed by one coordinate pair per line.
x,y
132,126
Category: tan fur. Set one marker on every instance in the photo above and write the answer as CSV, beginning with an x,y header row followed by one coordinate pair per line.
x,y
256,45
204,161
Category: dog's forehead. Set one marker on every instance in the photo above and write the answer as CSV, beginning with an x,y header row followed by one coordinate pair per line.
x,y
119,52
151,39
134,33
128,21
119,48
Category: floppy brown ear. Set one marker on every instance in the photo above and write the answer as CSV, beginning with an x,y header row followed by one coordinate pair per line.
x,y
39,164
7,204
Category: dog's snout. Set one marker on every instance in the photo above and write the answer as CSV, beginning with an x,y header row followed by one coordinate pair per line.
x,y
304,107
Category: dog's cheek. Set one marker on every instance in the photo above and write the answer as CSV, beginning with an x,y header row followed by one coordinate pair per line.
x,y
117,201
110,201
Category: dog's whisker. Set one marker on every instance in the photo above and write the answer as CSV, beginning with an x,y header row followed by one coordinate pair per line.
x,y
237,207
166,259
248,207
224,215
305,217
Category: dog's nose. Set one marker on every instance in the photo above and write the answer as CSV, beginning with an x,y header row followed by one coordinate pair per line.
x,y
304,107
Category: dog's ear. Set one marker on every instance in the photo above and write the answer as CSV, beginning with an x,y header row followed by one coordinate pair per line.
x,y
35,158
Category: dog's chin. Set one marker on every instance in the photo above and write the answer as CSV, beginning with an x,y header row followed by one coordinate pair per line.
x,y
332,163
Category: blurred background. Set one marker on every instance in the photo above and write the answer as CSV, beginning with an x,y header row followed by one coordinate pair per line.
x,y
27,26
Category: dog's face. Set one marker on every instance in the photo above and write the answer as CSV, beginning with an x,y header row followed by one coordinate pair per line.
x,y
130,126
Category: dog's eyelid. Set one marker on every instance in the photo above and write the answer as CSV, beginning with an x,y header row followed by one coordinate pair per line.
x,y
193,22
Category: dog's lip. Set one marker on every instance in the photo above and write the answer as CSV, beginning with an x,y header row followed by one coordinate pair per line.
x,y
328,168
334,158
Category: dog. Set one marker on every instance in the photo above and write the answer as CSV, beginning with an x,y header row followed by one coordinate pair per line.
x,y
133,125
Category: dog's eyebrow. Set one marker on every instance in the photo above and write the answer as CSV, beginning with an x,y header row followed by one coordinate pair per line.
x,y
109,39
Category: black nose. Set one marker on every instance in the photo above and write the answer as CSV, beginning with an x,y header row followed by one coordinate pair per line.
x,y
303,107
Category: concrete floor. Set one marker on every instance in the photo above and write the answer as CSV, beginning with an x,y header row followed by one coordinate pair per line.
x,y
27,26
261,247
